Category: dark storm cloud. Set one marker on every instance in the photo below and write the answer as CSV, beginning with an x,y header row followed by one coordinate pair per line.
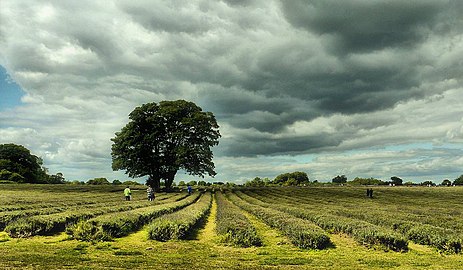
x,y
366,25
281,77
254,145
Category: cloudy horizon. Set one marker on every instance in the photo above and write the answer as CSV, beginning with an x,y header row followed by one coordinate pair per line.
x,y
360,88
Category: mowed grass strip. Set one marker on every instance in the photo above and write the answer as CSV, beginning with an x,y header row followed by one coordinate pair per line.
x,y
300,232
179,224
57,222
233,226
118,224
363,232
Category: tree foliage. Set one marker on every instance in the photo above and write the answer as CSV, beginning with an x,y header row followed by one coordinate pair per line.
x,y
292,179
446,182
366,181
339,179
458,181
17,164
161,139
396,180
98,181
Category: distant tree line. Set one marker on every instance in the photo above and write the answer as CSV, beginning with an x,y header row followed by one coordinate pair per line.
x,y
396,181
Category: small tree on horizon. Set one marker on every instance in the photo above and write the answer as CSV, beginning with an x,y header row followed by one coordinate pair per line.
x,y
340,179
396,180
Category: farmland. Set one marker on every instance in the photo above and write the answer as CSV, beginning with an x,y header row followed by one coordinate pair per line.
x,y
92,227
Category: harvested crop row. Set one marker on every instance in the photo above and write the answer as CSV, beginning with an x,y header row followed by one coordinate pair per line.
x,y
53,223
363,232
301,233
443,239
119,224
233,225
9,217
177,225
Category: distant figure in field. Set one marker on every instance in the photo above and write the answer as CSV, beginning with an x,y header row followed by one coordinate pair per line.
x,y
189,189
127,193
370,192
150,193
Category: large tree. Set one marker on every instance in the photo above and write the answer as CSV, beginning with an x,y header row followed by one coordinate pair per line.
x,y
161,139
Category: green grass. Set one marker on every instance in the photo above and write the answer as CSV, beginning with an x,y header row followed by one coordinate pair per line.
x,y
203,251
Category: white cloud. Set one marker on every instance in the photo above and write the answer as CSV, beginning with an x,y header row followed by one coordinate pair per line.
x,y
283,85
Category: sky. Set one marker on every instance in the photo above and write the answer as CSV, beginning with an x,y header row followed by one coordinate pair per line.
x,y
364,88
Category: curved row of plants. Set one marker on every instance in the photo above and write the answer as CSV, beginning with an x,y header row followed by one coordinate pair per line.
x,y
52,223
178,225
233,226
118,224
363,232
444,240
301,233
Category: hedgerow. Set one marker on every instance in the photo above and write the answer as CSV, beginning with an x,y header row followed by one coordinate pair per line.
x,y
118,224
57,222
233,225
300,232
177,225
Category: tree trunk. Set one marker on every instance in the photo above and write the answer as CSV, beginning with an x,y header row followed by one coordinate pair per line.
x,y
170,179
154,182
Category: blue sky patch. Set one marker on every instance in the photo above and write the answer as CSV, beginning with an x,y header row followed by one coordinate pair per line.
x,y
10,91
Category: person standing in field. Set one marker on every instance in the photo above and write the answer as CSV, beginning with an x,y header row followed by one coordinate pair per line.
x,y
150,193
127,193
189,189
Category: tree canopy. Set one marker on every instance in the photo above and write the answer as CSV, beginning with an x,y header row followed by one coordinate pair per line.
x,y
17,164
292,179
161,139
339,179
396,180
458,181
